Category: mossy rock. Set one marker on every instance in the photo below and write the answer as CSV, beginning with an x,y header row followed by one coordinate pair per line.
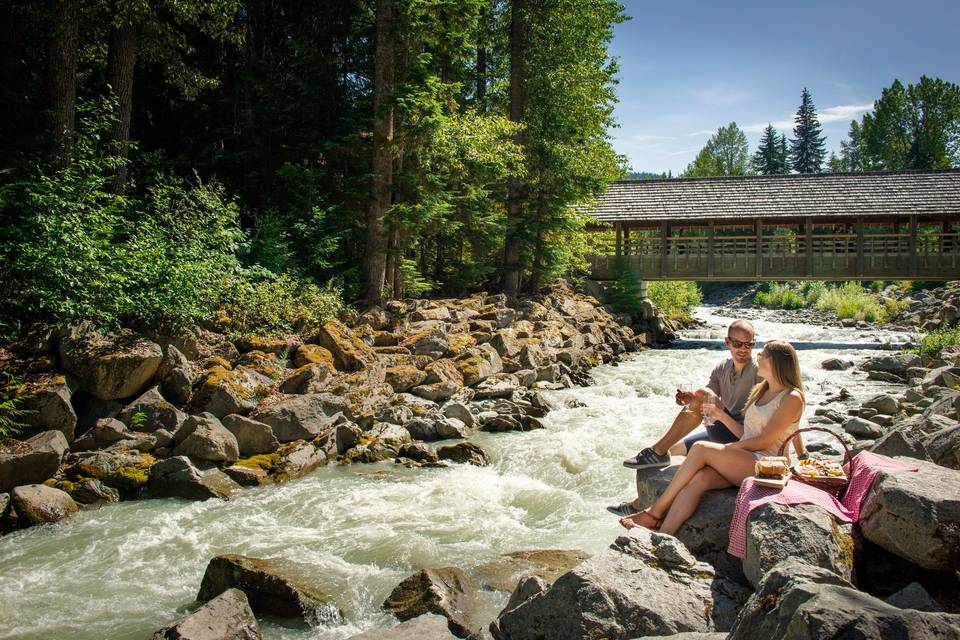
x,y
461,342
274,345
313,354
268,462
404,377
214,362
263,363
350,353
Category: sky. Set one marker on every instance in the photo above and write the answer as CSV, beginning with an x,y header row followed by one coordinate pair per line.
x,y
688,67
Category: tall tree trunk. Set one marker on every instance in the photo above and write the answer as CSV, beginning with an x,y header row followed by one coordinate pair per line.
x,y
375,258
121,61
482,42
511,252
390,273
62,77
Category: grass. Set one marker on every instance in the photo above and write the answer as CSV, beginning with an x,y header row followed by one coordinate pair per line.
x,y
936,340
849,300
675,299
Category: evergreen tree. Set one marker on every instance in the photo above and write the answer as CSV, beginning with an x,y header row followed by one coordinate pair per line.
x,y
851,152
767,160
783,157
725,154
808,147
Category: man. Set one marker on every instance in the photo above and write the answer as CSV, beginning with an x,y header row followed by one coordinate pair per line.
x,y
730,383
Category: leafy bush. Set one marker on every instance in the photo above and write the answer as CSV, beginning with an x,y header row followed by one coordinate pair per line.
x,y
780,296
937,339
11,406
675,299
624,293
812,291
851,300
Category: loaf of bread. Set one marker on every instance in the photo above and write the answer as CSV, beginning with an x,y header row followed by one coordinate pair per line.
x,y
772,467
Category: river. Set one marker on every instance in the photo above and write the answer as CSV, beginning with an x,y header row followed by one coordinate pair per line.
x,y
124,570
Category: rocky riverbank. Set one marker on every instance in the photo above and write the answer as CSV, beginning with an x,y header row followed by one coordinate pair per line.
x,y
197,416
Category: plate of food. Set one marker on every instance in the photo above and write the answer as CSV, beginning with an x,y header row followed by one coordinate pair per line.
x,y
771,471
818,471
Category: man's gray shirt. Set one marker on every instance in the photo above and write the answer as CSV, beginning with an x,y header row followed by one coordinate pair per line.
x,y
733,388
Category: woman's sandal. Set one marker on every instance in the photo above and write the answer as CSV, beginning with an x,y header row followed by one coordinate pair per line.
x,y
628,522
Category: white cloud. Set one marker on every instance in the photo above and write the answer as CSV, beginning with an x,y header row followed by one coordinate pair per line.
x,y
722,96
702,132
841,112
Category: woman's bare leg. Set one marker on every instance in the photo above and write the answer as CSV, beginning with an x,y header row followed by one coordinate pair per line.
x,y
707,479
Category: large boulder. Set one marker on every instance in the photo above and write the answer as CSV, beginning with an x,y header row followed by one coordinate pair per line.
x,y
109,366
447,591
39,504
799,602
896,364
943,447
175,376
253,437
349,352
916,515
31,461
298,459
426,627
178,477
883,403
313,354
706,532
647,583
203,437
151,411
222,391
804,532
226,617
467,452
302,417
505,572
273,587
863,428
404,377
47,405
478,364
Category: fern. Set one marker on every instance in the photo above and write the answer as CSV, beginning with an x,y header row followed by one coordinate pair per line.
x,y
12,412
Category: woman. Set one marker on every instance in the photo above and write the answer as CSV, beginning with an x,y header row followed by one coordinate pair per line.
x,y
772,413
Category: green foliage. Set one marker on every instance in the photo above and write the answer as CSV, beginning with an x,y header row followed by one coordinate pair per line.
x,y
934,341
12,399
258,301
770,157
725,154
851,300
138,420
675,299
808,147
913,127
812,291
624,293
704,165
780,296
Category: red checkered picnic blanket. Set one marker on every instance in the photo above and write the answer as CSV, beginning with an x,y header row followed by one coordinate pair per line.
x,y
866,466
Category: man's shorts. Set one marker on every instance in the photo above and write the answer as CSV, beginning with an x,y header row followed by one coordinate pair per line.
x,y
716,432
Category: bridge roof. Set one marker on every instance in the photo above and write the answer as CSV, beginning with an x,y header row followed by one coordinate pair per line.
x,y
885,194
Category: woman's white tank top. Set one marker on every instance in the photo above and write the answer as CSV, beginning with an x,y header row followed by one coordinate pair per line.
x,y
758,416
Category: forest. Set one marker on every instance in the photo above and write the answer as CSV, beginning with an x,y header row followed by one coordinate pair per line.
x,y
261,164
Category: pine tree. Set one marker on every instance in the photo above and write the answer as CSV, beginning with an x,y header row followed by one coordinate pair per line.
x,y
783,156
766,160
807,148
851,150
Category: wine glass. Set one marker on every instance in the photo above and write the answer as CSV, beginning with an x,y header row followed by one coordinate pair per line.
x,y
707,407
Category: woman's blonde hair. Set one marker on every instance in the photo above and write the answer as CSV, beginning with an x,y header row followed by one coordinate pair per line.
x,y
786,368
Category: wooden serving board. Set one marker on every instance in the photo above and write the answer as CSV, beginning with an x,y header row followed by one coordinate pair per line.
x,y
768,482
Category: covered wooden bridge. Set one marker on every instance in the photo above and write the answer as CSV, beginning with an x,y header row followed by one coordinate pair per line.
x,y
841,226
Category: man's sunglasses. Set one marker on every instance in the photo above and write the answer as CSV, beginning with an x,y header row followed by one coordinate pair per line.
x,y
736,344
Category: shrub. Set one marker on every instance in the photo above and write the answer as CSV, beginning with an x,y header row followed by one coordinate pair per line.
x,y
850,300
675,299
779,296
933,341
624,293
12,399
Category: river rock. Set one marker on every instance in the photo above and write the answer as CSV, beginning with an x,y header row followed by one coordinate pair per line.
x,y
506,572
48,405
646,583
478,364
300,418
436,391
801,602
896,364
943,447
947,404
349,352
915,515
432,342
446,591
253,437
404,377
803,532
836,364
947,376
459,411
883,403
203,437
463,452
901,442
94,492
247,476
178,477
426,627
526,588
913,596
313,354
175,376
39,504
418,452
109,366
31,461
226,617
863,428
151,411
272,586
298,459
706,532
223,391
310,378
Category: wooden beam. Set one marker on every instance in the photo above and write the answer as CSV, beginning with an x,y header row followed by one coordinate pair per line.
x,y
626,240
759,226
913,246
664,230
859,230
808,247
710,261
619,228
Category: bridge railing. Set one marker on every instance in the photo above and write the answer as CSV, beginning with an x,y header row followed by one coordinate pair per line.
x,y
828,256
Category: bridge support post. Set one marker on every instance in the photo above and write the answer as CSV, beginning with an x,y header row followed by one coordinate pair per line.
x,y
711,264
913,246
626,240
664,232
619,232
860,257
808,247
759,248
